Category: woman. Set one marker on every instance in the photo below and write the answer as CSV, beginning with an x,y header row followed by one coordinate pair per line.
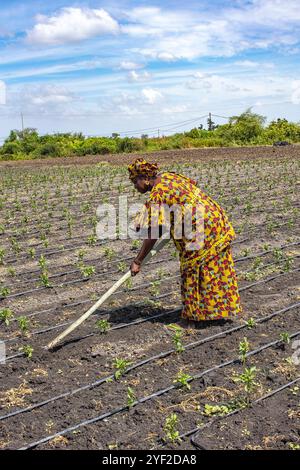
x,y
208,280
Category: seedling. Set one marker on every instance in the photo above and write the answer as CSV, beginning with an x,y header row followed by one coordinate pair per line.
x,y
122,266
177,338
135,244
92,240
154,289
81,253
2,254
23,324
4,291
42,262
87,271
251,323
248,380
212,410
103,326
294,446
183,380
6,315
109,253
243,350
11,271
285,338
45,279
131,398
121,365
31,253
170,428
128,284
27,350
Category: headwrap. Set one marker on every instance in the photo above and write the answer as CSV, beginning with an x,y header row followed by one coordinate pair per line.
x,y
142,167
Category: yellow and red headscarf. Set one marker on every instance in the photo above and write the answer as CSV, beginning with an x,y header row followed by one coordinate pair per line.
x,y
142,167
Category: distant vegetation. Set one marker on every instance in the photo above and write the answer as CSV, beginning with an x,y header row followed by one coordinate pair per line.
x,y
246,129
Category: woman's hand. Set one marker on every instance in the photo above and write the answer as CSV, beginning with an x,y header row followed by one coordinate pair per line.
x,y
135,268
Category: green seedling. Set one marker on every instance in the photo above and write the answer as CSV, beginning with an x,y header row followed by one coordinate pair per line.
x,y
92,240
294,446
103,326
109,253
122,266
243,350
6,315
45,279
177,338
285,338
87,271
135,244
247,378
42,262
251,323
27,350
131,398
23,324
182,380
2,255
213,410
128,284
81,253
31,252
154,289
11,271
4,291
121,366
170,428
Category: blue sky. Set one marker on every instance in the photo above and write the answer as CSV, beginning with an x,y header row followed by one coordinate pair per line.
x,y
101,67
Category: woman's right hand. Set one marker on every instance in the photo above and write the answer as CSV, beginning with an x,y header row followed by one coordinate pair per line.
x,y
135,268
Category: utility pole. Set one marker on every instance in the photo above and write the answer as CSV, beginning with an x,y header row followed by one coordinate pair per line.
x,y
158,133
22,120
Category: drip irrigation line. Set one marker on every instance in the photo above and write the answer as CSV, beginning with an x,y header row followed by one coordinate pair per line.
x,y
197,430
149,397
76,281
148,360
142,303
254,402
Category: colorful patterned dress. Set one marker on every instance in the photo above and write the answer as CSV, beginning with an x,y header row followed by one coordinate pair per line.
x,y
209,287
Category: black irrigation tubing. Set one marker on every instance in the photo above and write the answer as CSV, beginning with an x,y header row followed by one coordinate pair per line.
x,y
149,397
64,249
162,355
100,190
142,303
60,217
133,305
92,260
76,281
195,431
81,226
90,192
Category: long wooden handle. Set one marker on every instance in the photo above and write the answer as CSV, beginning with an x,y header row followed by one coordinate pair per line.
x,y
157,247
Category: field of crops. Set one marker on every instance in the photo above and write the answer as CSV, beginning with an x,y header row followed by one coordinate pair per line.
x,y
128,378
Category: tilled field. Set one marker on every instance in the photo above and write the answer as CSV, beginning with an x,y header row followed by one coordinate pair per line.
x,y
141,384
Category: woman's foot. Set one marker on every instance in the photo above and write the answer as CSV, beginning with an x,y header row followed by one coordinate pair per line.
x,y
187,324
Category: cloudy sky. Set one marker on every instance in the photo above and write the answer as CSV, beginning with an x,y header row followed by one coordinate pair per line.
x,y
119,66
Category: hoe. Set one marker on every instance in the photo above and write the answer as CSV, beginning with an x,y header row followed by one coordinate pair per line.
x,y
157,247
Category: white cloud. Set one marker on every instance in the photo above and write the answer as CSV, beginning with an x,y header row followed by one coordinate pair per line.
x,y
151,95
180,108
45,98
295,98
129,65
134,76
71,25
